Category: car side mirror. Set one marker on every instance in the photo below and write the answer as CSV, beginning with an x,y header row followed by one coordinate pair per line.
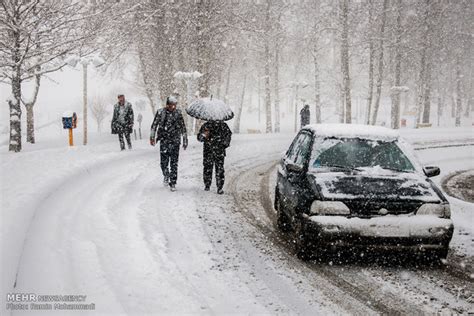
x,y
431,171
294,168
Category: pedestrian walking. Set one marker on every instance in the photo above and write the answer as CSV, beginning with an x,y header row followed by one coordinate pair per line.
x,y
305,115
122,121
216,137
168,127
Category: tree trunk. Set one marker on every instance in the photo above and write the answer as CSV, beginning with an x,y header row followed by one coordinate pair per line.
x,y
470,96
423,98
345,62
149,95
427,95
458,92
218,83
432,15
317,92
341,103
395,117
277,88
440,110
14,105
371,61
30,119
203,49
421,79
380,64
30,124
268,104
227,81
15,123
238,113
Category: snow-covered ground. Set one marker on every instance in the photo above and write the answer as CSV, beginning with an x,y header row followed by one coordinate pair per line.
x,y
96,221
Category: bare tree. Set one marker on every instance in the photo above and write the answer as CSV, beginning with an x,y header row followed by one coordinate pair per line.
x,y
346,78
99,110
380,63
276,69
395,115
371,60
267,60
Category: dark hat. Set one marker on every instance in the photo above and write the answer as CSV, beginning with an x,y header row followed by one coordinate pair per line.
x,y
120,95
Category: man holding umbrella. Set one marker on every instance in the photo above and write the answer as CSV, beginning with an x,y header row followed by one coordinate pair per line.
x,y
168,127
216,136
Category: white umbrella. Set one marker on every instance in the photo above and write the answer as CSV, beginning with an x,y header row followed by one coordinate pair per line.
x,y
209,109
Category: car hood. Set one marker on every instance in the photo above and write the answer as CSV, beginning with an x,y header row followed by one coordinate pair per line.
x,y
366,186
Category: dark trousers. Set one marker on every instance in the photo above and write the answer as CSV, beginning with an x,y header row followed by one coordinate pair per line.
x,y
122,143
169,155
213,160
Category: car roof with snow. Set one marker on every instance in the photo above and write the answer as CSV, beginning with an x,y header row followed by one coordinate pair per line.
x,y
353,131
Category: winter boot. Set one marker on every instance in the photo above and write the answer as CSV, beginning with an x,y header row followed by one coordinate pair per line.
x,y
207,188
172,187
166,181
220,191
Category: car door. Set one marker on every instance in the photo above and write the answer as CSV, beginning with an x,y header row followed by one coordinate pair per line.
x,y
293,182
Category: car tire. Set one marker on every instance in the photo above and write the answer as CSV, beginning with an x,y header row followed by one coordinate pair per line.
x,y
283,222
301,242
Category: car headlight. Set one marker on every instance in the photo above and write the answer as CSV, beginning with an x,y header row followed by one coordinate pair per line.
x,y
440,210
329,208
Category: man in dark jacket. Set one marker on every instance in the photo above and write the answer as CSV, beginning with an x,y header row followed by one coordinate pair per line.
x,y
216,136
168,127
305,115
122,121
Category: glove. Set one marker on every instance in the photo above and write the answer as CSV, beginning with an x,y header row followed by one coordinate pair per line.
x,y
152,142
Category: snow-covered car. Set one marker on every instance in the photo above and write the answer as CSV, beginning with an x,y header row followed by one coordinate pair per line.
x,y
345,186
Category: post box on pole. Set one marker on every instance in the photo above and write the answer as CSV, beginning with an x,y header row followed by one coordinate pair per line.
x,y
70,122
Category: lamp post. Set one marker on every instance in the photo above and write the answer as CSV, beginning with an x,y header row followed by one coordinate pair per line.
x,y
189,78
96,61
297,85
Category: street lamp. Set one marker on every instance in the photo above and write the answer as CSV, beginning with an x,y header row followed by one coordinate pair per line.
x,y
189,78
96,61
297,85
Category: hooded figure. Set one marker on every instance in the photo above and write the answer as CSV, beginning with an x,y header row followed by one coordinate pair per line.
x,y
168,127
122,121
216,137
305,115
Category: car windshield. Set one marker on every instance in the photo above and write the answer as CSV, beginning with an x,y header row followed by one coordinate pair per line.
x,y
355,153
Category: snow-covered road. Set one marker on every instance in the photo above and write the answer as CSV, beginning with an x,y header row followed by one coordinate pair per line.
x,y
111,231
